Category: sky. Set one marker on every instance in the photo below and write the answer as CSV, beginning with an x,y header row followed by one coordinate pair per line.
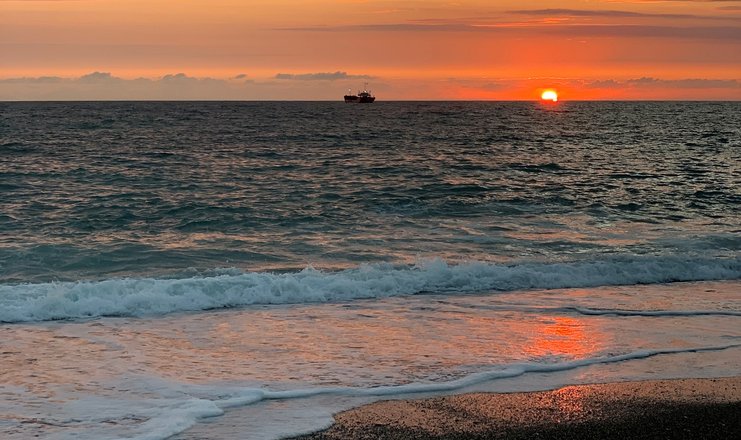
x,y
403,50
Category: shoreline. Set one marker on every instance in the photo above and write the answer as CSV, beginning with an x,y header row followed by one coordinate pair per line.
x,y
654,409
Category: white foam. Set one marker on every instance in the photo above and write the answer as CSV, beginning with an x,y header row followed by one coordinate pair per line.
x,y
177,419
610,312
185,414
151,296
619,312
474,379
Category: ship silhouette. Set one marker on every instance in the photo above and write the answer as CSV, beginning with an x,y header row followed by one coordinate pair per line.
x,y
364,96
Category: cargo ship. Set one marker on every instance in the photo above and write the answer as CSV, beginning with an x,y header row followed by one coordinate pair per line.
x,y
362,97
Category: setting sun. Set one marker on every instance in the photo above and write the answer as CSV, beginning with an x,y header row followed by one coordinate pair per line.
x,y
549,95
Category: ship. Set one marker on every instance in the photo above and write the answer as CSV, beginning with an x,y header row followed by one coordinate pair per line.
x,y
364,96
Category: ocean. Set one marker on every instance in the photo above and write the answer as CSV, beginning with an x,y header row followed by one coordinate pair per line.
x,y
231,270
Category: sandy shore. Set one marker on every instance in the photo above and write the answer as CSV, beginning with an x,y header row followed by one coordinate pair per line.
x,y
670,409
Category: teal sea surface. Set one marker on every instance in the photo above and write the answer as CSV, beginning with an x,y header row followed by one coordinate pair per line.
x,y
164,263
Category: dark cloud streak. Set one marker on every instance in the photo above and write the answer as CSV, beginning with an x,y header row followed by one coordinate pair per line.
x,y
732,33
176,86
320,76
649,82
610,14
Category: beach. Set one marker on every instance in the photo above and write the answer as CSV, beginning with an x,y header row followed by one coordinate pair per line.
x,y
370,219
662,409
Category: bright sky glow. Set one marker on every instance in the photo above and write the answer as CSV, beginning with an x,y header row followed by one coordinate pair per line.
x,y
404,49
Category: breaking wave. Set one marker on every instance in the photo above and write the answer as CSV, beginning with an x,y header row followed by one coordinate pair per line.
x,y
232,288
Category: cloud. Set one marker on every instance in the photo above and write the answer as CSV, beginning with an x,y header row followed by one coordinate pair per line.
x,y
105,86
732,33
690,83
387,27
320,76
631,31
477,84
656,83
180,86
33,80
604,84
673,1
97,77
609,14
177,77
175,86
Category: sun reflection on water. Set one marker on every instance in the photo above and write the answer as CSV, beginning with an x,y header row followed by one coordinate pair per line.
x,y
562,337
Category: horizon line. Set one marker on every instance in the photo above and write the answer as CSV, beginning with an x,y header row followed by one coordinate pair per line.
x,y
561,100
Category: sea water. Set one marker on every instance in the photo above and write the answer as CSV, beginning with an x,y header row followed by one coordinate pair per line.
x,y
244,270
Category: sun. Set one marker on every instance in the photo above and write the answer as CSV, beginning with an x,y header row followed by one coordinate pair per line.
x,y
549,95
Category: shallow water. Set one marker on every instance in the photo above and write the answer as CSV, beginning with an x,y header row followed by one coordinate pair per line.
x,y
149,378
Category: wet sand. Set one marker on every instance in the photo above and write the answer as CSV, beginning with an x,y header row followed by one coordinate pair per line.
x,y
667,409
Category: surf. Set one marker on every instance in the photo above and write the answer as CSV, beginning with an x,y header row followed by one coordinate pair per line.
x,y
230,288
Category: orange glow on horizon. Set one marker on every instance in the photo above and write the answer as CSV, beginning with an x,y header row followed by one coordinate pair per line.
x,y
549,95
466,50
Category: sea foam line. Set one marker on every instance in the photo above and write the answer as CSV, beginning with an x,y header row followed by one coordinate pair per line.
x,y
188,412
587,311
152,296
620,312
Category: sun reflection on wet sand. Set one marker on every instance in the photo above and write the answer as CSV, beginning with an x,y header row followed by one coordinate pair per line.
x,y
570,401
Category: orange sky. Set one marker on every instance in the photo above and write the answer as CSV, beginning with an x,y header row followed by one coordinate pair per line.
x,y
423,49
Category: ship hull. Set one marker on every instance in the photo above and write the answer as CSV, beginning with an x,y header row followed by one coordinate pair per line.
x,y
363,97
360,99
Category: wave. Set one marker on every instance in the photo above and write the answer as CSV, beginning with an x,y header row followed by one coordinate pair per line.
x,y
186,413
152,296
619,312
587,311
